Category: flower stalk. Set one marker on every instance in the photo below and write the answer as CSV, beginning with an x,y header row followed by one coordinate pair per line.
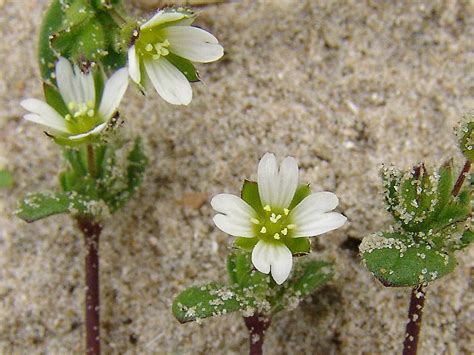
x,y
91,231
257,325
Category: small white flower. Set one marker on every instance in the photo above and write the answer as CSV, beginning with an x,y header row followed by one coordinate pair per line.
x,y
277,222
163,51
84,112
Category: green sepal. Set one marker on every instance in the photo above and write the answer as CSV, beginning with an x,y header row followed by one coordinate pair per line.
x,y
245,243
199,302
6,178
54,99
301,193
466,136
307,277
40,205
397,260
299,246
250,195
184,66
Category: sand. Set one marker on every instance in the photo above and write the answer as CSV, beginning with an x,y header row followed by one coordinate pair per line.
x,y
341,86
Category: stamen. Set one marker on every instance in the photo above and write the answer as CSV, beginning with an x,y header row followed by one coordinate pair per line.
x,y
267,208
284,231
286,210
90,113
263,230
254,221
291,226
276,236
71,105
149,47
68,117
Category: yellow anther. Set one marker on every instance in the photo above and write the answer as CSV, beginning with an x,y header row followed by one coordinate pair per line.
x,y
90,104
291,226
164,51
286,210
276,236
263,230
68,117
156,56
71,105
284,231
149,47
166,43
90,113
254,221
267,208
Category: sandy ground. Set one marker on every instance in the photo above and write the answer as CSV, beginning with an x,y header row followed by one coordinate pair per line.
x,y
342,87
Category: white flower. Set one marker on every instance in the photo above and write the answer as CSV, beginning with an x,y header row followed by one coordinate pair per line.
x,y
163,51
274,222
80,112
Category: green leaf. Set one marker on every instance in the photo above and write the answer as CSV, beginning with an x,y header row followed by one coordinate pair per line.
x,y
466,239
52,22
397,261
250,195
307,277
6,179
37,206
184,66
205,301
301,192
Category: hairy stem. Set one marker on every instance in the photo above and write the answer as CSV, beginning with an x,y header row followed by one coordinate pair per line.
x,y
91,160
415,313
461,178
257,325
91,231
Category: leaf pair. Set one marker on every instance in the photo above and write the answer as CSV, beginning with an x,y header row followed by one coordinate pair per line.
x,y
82,30
112,185
250,290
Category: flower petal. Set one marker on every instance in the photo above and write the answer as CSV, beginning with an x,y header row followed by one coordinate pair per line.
x,y
134,65
318,224
277,188
170,83
275,257
234,215
44,115
162,17
288,182
316,203
193,43
97,130
114,90
65,80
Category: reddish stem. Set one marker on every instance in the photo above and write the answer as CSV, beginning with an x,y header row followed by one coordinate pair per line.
x,y
91,231
257,325
415,313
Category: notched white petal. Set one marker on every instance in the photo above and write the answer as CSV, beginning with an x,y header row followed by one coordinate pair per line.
x,y
46,115
319,224
194,44
266,175
134,65
169,82
234,216
273,257
114,90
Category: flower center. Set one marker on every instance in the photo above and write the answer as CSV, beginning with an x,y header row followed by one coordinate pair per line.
x,y
158,49
274,226
81,117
